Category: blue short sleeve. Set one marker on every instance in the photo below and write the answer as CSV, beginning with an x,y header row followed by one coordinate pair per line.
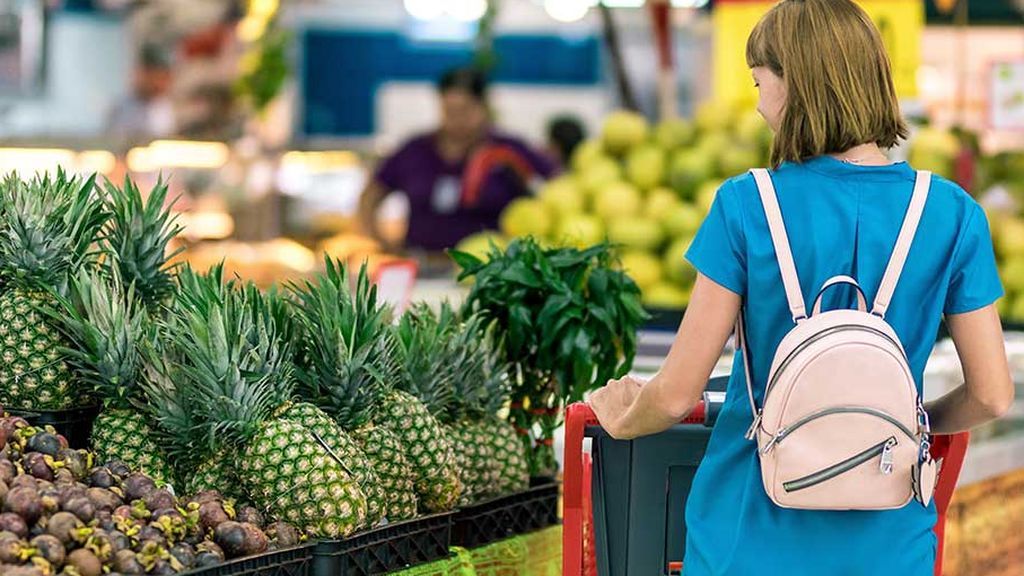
x,y
718,251
974,282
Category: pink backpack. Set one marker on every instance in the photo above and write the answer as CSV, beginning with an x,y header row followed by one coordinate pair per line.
x,y
842,426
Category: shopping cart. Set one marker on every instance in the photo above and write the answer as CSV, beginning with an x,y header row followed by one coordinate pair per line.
x,y
624,500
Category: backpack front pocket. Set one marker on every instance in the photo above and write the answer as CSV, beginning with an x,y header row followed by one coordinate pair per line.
x,y
882,451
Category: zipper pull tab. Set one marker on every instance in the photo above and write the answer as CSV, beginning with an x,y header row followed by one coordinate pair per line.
x,y
886,465
774,440
752,431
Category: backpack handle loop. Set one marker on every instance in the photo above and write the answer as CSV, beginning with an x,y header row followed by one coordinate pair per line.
x,y
862,302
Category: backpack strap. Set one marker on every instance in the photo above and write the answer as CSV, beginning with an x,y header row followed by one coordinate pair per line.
x,y
903,242
742,348
780,240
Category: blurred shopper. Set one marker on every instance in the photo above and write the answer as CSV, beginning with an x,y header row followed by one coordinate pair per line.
x,y
147,113
826,90
459,177
565,133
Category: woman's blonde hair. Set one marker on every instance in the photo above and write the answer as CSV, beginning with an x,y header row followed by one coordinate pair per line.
x,y
839,86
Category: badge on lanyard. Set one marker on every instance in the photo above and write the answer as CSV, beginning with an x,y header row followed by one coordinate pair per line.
x,y
447,190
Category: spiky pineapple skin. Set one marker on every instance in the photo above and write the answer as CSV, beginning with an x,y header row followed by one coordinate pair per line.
x,y
475,460
290,474
215,473
426,447
33,372
513,467
349,452
122,435
384,451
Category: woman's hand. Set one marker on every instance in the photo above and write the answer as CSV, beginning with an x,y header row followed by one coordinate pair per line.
x,y
611,403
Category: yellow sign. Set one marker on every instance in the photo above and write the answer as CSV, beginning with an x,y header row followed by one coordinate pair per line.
x,y
900,22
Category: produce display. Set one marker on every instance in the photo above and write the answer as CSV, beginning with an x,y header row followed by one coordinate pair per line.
x,y
61,515
644,189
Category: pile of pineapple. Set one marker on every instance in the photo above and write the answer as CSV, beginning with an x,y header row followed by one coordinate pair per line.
x,y
311,402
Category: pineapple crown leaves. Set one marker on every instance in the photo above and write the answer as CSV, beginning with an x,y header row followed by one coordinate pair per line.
x,y
49,227
136,237
428,365
230,356
481,384
106,328
568,318
346,361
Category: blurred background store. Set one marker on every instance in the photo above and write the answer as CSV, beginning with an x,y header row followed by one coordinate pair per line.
x,y
290,127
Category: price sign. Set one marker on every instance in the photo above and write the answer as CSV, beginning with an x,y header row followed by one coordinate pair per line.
x,y
395,281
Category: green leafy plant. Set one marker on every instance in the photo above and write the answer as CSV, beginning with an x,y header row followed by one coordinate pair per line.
x,y
568,321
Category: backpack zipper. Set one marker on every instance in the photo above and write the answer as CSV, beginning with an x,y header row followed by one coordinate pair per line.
x,y
787,430
819,336
883,449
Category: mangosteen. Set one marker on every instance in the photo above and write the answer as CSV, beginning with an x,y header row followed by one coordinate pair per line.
x,y
185,554
63,476
206,496
50,548
211,515
209,554
119,540
159,499
24,502
81,507
44,443
65,526
11,548
75,461
99,543
283,535
10,570
85,562
151,533
104,499
239,539
3,490
102,477
126,562
137,487
50,499
119,468
23,480
35,464
162,568
251,515
7,471
10,522
11,424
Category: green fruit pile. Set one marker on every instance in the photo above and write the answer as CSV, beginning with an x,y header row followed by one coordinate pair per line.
x,y
645,189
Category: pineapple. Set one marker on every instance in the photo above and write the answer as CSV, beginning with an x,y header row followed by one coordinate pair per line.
x,y
48,227
424,390
344,366
107,327
232,365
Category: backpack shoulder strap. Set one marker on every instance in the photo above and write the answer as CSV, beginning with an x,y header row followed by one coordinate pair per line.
x,y
903,241
780,240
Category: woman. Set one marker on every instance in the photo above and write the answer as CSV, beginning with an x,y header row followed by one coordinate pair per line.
x,y
458,178
826,90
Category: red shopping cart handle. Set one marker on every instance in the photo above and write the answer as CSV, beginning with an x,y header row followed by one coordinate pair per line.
x,y
949,449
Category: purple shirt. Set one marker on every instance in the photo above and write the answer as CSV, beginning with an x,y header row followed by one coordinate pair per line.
x,y
440,212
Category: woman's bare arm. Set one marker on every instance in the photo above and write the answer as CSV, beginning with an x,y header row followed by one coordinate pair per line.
x,y
369,203
987,392
678,386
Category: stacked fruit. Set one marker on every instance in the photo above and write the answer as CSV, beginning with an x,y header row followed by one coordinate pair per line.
x,y
644,189
63,516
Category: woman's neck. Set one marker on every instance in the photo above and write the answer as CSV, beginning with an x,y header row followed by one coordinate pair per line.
x,y
455,149
868,154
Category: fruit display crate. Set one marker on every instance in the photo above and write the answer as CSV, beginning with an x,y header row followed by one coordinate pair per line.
x,y
387,549
75,424
507,516
295,561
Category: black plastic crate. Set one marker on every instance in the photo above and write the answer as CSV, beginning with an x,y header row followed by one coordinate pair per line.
x,y
386,549
506,516
296,561
74,424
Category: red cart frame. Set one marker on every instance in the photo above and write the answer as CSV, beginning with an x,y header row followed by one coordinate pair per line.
x,y
949,449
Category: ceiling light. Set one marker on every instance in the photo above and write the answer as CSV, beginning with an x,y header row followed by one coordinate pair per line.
x,y
424,9
567,10
467,10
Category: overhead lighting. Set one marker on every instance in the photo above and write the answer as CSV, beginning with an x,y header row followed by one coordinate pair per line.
x,y
178,154
96,161
466,10
424,9
567,10
623,3
689,3
28,161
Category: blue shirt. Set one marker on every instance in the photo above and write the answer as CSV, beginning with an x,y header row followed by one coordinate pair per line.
x,y
841,219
